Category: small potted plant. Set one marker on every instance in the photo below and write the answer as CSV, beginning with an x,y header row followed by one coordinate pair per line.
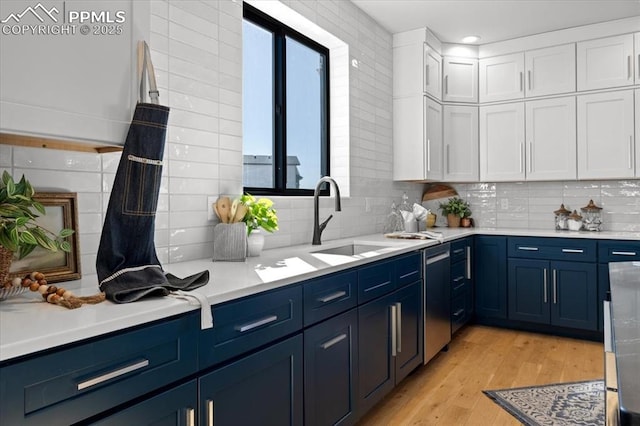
x,y
19,232
455,209
260,214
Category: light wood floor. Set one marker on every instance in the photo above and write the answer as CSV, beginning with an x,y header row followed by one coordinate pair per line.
x,y
448,390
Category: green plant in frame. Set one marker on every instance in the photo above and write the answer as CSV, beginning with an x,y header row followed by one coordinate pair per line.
x,y
19,232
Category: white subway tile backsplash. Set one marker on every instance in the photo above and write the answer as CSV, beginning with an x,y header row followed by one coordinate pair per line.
x,y
61,181
5,156
56,160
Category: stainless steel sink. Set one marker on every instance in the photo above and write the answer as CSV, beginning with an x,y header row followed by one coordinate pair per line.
x,y
350,249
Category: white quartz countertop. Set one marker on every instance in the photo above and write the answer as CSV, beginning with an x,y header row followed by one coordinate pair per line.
x,y
28,325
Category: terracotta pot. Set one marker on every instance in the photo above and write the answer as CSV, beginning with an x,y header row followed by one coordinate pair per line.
x,y
453,220
465,222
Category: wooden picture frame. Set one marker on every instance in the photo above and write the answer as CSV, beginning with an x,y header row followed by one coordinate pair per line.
x,y
62,212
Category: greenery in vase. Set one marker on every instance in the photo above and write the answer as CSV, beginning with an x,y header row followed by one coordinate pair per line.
x,y
19,231
456,206
260,214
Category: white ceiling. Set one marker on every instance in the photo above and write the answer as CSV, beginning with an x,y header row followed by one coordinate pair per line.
x,y
493,20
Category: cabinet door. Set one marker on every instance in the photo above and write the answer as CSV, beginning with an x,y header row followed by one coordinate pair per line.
x,y
605,62
636,63
605,135
502,142
574,295
408,68
637,145
72,86
490,272
410,325
502,78
461,162
528,290
460,79
432,72
409,141
550,70
433,149
331,371
262,388
376,370
551,139
175,407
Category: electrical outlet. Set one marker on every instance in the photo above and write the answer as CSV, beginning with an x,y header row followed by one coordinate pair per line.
x,y
504,204
211,215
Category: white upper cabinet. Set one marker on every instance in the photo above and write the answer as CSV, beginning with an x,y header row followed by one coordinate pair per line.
x,y
432,72
460,131
460,77
73,86
551,70
417,139
502,78
417,68
502,142
551,139
637,145
605,62
605,135
636,63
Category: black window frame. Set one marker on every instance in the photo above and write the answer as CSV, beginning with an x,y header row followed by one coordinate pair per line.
x,y
281,32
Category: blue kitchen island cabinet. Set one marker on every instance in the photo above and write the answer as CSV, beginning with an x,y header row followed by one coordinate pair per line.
x,y
331,371
390,342
558,293
264,388
490,272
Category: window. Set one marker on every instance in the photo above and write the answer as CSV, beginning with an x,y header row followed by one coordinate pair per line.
x,y
285,120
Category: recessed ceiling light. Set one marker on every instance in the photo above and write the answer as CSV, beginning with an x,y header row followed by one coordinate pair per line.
x,y
470,39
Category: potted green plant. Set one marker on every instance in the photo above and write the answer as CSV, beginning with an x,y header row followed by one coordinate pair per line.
x,y
260,214
19,232
455,209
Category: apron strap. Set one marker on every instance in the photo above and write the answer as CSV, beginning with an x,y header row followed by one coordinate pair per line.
x,y
145,64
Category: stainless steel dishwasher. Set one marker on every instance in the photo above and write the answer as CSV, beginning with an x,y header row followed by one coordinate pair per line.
x,y
437,300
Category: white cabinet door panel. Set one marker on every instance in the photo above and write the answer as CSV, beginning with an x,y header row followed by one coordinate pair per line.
x,y
637,145
432,72
606,135
551,139
551,70
502,78
636,63
502,142
461,162
605,62
73,86
417,139
460,79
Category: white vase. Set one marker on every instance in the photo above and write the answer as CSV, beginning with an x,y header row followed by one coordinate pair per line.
x,y
255,243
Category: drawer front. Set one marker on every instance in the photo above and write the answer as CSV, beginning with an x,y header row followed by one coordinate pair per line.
x,y
459,282
246,324
578,250
461,309
329,296
375,281
459,249
67,386
618,251
408,269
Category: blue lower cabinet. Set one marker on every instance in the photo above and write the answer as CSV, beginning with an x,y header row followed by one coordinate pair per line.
x,y
175,407
559,293
490,277
410,329
529,290
390,343
264,388
331,371
574,295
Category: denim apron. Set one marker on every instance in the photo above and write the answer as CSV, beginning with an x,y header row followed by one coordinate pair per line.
x,y
127,264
